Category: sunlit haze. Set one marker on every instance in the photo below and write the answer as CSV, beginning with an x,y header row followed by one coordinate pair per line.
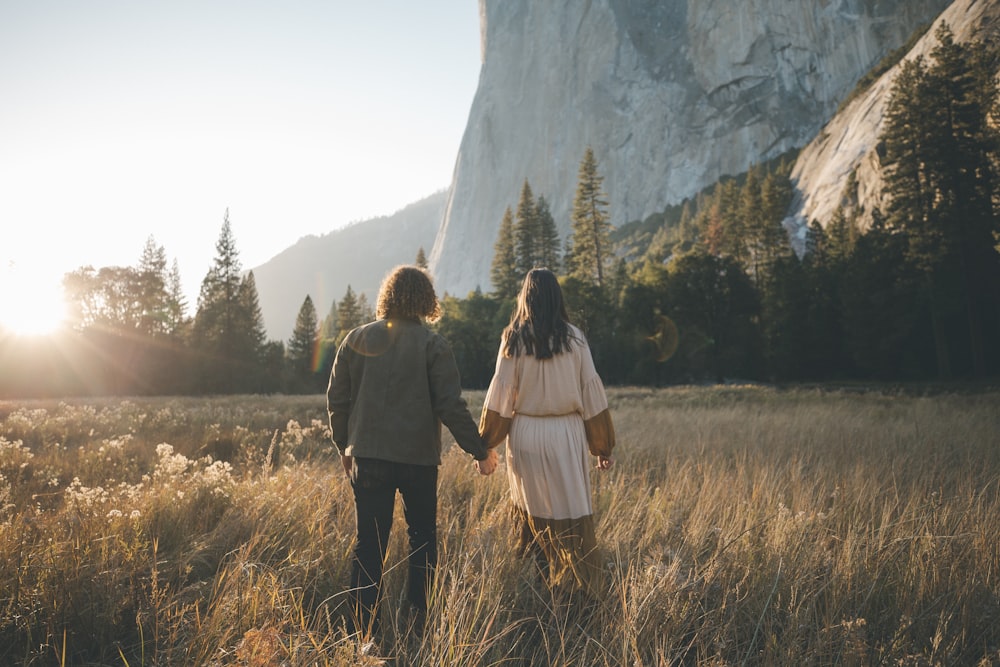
x,y
123,120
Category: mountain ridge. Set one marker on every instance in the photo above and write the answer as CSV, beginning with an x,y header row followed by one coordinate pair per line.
x,y
358,254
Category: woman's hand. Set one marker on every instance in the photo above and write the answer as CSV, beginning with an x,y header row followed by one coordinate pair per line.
x,y
605,462
489,464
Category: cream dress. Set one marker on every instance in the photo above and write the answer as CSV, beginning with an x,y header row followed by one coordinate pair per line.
x,y
553,414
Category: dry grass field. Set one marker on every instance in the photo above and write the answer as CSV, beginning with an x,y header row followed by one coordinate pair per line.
x,y
740,526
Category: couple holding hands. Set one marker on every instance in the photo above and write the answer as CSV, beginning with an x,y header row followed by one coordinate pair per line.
x,y
394,382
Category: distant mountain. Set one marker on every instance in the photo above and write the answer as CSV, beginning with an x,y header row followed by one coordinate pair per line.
x,y
358,255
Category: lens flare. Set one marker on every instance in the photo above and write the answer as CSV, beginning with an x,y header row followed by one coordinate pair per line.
x,y
665,340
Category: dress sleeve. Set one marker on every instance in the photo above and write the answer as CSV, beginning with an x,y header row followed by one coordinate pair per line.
x,y
596,415
498,406
600,433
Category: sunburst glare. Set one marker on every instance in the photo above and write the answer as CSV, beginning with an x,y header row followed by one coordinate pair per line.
x,y
31,304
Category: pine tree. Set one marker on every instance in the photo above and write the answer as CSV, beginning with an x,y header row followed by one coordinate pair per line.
x,y
365,309
503,270
421,259
904,137
328,334
753,222
841,236
660,245
251,340
567,258
176,301
328,330
817,244
909,186
228,327
732,228
217,300
549,240
775,198
302,347
527,233
152,277
255,334
590,245
712,235
619,281
348,314
687,227
720,221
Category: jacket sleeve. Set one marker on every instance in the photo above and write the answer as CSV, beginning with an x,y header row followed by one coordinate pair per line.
x,y
446,396
338,398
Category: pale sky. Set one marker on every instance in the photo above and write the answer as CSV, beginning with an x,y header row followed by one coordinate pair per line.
x,y
121,119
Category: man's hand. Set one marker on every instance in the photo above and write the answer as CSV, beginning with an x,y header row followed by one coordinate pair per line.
x,y
347,462
489,464
605,462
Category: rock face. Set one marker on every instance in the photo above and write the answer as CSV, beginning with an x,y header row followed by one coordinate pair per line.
x,y
671,95
848,142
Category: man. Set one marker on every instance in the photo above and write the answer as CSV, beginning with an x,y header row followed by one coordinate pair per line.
x,y
393,383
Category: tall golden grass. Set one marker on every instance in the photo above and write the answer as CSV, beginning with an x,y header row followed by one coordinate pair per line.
x,y
741,525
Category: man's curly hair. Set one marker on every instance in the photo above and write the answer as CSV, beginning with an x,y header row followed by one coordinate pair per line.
x,y
407,293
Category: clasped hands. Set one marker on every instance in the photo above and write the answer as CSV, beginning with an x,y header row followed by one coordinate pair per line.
x,y
489,464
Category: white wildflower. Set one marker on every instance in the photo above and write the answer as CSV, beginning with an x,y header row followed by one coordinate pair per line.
x,y
170,464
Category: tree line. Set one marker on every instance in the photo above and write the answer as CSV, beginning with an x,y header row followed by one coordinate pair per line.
x,y
705,290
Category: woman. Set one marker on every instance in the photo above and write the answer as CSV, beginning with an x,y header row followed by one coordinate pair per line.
x,y
548,402
393,383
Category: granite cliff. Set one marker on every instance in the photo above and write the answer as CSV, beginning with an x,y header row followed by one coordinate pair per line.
x,y
671,95
849,142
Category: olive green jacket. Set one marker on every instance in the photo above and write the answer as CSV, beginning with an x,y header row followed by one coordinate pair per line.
x,y
393,383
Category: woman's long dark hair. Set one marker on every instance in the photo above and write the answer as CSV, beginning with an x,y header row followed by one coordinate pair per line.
x,y
539,322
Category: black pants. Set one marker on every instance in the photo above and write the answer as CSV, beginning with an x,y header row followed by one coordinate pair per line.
x,y
375,483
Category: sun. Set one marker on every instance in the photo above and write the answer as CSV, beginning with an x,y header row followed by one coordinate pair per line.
x,y
30,305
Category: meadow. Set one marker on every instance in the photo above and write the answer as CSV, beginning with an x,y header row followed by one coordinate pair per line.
x,y
741,525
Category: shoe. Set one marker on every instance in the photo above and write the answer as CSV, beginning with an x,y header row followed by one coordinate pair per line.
x,y
373,656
